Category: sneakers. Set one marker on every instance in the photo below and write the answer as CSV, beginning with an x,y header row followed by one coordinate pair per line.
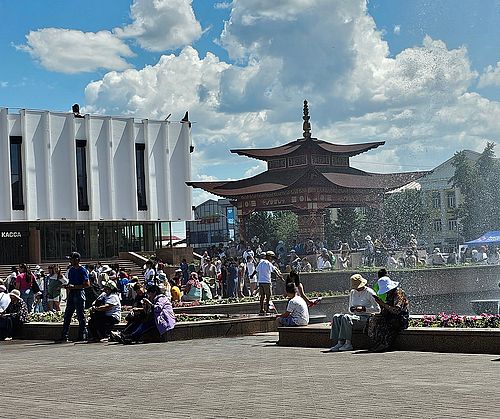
x,y
337,347
346,347
116,337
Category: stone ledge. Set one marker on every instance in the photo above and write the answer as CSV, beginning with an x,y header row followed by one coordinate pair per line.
x,y
182,331
424,339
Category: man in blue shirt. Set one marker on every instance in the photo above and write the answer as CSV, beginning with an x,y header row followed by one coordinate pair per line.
x,y
78,280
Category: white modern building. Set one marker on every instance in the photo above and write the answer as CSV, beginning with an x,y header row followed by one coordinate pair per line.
x,y
91,183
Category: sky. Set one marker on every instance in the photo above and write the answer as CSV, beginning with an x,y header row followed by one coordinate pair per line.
x,y
421,75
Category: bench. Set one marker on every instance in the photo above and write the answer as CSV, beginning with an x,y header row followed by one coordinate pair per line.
x,y
424,339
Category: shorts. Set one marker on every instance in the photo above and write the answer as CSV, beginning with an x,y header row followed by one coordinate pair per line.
x,y
287,322
252,279
265,289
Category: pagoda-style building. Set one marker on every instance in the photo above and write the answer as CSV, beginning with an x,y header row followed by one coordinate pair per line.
x,y
307,176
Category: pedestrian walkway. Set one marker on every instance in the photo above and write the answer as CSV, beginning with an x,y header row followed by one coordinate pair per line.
x,y
248,377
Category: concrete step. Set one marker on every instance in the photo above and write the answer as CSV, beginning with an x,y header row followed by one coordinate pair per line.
x,y
423,339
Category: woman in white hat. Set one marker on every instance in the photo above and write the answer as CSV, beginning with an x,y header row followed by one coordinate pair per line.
x,y
394,315
362,305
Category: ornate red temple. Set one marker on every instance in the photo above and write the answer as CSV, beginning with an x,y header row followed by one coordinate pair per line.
x,y
307,176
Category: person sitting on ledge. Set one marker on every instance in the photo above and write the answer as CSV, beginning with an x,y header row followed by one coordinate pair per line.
x,y
296,313
394,316
362,305
294,278
104,313
14,316
159,315
192,289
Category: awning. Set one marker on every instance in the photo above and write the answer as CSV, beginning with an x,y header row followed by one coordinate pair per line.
x,y
486,238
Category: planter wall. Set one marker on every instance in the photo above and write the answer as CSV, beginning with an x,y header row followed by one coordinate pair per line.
x,y
423,339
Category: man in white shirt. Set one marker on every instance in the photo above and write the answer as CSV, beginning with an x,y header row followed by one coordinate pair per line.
x,y
248,252
296,313
263,271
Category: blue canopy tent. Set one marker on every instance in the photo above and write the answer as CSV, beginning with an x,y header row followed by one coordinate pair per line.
x,y
486,238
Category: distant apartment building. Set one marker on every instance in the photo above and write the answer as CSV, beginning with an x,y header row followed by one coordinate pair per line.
x,y
95,184
442,200
214,222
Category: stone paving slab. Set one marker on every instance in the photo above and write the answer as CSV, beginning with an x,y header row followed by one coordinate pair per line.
x,y
246,377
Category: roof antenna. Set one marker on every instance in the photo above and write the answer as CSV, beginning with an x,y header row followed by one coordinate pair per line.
x,y
306,126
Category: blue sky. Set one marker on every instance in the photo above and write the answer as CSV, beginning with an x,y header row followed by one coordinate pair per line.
x,y
422,75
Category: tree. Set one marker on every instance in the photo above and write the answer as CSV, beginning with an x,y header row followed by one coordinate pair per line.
x,y
404,214
479,184
347,226
273,226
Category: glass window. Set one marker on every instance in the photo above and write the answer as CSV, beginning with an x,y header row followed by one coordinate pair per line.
x,y
141,176
81,175
450,197
436,200
452,225
437,225
16,173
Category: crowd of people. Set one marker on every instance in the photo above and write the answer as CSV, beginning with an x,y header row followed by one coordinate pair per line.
x,y
250,269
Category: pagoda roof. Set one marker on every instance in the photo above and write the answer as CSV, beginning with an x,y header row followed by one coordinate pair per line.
x,y
348,150
273,181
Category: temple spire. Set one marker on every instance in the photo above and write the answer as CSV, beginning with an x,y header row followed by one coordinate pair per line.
x,y
306,126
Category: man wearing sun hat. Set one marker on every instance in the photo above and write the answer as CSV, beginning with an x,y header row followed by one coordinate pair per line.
x,y
362,305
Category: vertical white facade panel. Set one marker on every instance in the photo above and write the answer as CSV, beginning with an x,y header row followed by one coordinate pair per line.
x,y
156,160
179,142
5,187
122,165
99,144
36,170
63,166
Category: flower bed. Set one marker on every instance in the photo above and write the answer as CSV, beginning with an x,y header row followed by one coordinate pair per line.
x,y
315,294
455,320
58,317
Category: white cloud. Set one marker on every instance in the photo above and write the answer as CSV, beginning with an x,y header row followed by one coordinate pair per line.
x,y
72,51
161,25
4,83
420,101
490,77
223,5
397,29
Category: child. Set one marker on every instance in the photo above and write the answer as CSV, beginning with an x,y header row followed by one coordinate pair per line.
x,y
296,313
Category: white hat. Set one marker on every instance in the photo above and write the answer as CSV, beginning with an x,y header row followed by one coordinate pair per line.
x,y
106,268
2,288
368,238
385,284
437,250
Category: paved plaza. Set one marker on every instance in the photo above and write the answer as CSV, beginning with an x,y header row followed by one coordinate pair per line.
x,y
247,377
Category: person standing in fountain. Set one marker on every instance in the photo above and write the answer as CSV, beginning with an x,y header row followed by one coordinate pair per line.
x,y
362,305
394,315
